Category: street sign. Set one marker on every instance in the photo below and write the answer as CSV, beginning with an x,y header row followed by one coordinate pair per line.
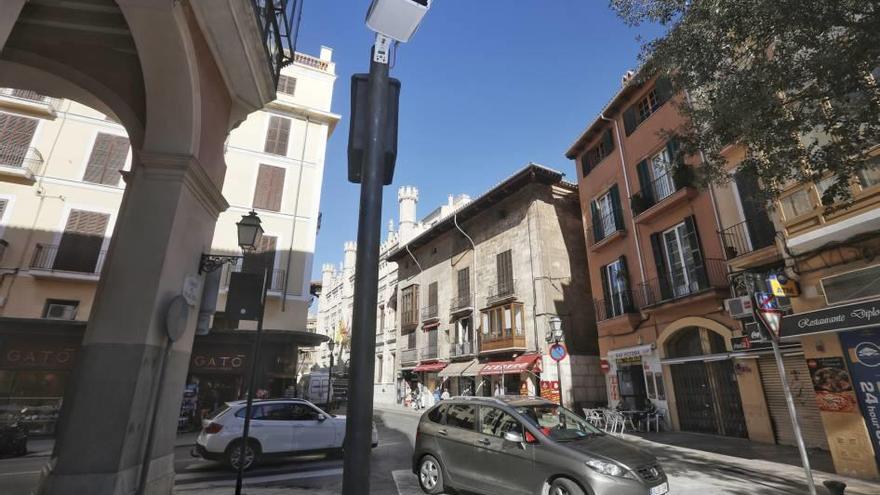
x,y
783,286
558,352
605,366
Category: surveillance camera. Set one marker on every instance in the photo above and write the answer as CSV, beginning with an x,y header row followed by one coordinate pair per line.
x,y
397,19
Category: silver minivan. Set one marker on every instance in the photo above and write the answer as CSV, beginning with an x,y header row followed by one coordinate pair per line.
x,y
527,446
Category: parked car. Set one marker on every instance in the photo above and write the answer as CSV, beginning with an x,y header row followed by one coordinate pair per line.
x,y
279,427
526,445
13,433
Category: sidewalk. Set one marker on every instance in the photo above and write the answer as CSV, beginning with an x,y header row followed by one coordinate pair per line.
x,y
42,447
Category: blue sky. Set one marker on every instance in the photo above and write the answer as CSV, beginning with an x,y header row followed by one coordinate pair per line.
x,y
487,86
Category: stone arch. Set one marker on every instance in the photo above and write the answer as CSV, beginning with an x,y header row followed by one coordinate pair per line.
x,y
691,321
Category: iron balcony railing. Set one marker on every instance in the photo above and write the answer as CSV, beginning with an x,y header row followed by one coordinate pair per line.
x,y
746,237
409,355
28,95
604,225
74,260
429,352
711,274
279,25
501,292
661,188
430,312
460,303
462,349
277,277
616,305
21,157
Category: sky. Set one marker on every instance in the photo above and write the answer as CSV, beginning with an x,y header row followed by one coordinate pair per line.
x,y
487,87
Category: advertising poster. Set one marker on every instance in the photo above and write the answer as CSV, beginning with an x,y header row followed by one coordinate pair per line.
x,y
862,351
833,386
550,390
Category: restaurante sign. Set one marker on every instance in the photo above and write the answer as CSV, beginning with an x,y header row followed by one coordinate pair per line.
x,y
834,319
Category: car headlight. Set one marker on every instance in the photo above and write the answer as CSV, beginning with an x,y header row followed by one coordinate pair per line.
x,y
609,468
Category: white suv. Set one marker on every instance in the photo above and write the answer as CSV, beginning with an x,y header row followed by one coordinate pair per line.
x,y
278,427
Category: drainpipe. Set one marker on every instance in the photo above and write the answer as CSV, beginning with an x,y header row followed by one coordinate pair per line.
x,y
302,165
534,283
475,292
628,194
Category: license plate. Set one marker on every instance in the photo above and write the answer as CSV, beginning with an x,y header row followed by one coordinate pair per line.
x,y
660,489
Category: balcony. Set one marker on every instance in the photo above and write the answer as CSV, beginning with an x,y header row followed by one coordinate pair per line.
x,y
409,356
30,102
49,262
746,238
501,293
669,189
712,274
462,349
618,305
277,278
428,353
430,313
605,229
495,343
20,163
460,305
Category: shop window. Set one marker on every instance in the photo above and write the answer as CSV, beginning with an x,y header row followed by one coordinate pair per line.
x,y
652,389
661,389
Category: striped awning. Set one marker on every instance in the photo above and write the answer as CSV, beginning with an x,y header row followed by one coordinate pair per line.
x,y
518,365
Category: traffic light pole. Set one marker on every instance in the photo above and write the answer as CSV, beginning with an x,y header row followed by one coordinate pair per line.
x,y
358,428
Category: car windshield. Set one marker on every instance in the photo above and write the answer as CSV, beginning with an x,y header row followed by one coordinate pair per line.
x,y
558,423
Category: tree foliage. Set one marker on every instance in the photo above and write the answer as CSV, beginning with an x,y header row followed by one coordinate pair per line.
x,y
789,80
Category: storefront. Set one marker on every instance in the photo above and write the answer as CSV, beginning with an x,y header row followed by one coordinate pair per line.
x,y
635,376
460,377
428,374
519,376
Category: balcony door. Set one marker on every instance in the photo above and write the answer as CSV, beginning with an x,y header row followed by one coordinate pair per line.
x,y
680,260
80,247
661,173
759,227
673,241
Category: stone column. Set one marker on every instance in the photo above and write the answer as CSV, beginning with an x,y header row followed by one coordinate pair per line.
x,y
165,222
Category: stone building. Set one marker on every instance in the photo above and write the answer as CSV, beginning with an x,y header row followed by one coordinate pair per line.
x,y
477,287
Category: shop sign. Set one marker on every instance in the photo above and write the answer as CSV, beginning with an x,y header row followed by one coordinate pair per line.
x,y
862,351
615,392
27,355
783,286
631,352
550,390
605,366
834,319
217,361
745,343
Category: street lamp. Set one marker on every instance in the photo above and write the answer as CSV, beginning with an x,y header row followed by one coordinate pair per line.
x,y
372,151
557,350
250,231
330,345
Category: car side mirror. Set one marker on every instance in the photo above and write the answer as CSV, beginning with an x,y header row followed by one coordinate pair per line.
x,y
514,437
322,418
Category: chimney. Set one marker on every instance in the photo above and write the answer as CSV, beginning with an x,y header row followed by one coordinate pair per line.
x,y
326,54
408,197
349,259
627,77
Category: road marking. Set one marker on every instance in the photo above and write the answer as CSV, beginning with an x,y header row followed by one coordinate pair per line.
x,y
20,473
324,473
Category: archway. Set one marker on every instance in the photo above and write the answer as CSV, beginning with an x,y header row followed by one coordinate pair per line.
x,y
703,379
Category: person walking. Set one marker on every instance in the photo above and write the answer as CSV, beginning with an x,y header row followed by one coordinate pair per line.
x,y
445,394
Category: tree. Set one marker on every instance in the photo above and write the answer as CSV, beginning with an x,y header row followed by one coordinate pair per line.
x,y
789,80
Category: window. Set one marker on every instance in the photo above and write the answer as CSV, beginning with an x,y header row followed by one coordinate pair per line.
x,y
870,175
270,187
3,204
661,173
679,260
854,285
379,377
16,134
464,285
606,214
461,416
647,105
495,422
463,330
432,298
409,302
80,247
286,85
504,272
503,322
661,390
277,136
615,288
303,412
436,414
60,309
796,204
651,389
106,159
597,153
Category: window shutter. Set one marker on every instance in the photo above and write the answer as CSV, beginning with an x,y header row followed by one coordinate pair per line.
x,y
277,136
270,188
287,85
662,270
696,264
16,134
663,90
106,159
597,223
608,141
432,294
464,282
615,205
586,162
627,294
504,267
676,164
629,120
606,288
3,204
80,246
645,181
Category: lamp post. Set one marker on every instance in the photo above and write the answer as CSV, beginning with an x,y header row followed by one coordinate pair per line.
x,y
556,337
330,345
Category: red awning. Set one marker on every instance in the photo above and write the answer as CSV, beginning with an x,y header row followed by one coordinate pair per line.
x,y
430,367
518,365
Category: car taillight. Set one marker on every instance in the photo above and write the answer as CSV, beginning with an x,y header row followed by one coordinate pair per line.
x,y
213,428
531,438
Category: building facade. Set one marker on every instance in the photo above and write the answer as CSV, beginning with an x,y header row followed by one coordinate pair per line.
x,y
476,291
63,174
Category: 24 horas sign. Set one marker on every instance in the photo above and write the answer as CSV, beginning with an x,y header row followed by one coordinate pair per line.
x,y
835,319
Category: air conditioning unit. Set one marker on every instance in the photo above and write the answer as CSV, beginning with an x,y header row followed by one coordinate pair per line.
x,y
60,312
739,307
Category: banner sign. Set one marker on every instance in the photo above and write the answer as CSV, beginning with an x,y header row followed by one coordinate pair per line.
x,y
862,351
550,390
834,319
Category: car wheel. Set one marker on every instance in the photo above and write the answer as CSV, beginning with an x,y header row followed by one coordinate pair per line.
x,y
564,486
431,476
251,455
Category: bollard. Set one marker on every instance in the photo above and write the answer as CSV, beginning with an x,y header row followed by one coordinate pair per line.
x,y
834,487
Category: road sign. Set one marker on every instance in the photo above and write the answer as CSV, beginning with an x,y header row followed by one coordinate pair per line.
x,y
558,352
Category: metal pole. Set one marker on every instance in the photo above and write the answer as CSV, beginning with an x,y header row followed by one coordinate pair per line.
x,y
252,383
330,382
802,448
358,428
559,379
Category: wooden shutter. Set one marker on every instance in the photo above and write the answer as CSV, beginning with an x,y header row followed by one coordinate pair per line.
x,y
662,270
80,246
627,294
277,136
696,264
663,90
615,205
16,134
606,287
608,142
287,85
504,267
106,159
464,281
432,294
270,188
598,233
645,188
587,162
629,120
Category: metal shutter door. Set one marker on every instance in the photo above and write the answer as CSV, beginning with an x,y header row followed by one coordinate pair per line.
x,y
804,398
